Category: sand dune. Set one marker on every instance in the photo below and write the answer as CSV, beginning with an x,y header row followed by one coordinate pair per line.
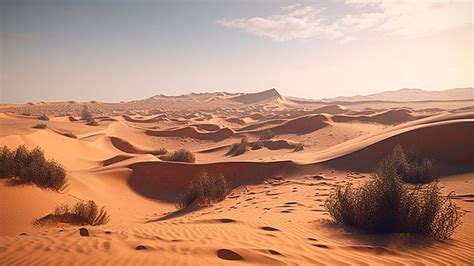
x,y
275,213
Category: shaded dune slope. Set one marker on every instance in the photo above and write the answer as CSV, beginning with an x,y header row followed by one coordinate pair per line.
x,y
192,132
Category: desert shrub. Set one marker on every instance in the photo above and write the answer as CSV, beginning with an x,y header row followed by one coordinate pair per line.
x,y
7,163
43,117
387,205
181,155
267,134
86,114
31,167
411,167
238,148
69,135
160,151
257,145
92,122
204,191
40,126
83,213
299,147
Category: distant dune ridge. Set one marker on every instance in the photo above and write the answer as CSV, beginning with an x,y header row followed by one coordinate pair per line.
x,y
275,213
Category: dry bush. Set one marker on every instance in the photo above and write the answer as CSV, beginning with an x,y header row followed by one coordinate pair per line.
x,y
43,117
238,148
411,167
299,147
181,155
266,134
69,135
160,151
387,205
83,213
86,115
257,145
31,167
204,191
92,122
40,126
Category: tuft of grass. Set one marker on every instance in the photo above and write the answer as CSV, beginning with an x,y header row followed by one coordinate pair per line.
x,y
386,204
267,134
238,148
83,213
32,167
181,155
299,147
40,126
411,167
204,191
160,151
43,117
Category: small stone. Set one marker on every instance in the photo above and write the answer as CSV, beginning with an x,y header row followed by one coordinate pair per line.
x,y
83,231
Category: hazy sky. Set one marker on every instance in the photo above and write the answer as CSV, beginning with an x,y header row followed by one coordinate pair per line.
x,y
124,50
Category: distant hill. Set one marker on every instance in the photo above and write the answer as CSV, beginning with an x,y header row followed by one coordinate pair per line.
x,y
259,97
410,95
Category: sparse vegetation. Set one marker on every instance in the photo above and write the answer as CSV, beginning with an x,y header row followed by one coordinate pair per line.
x,y
40,126
31,167
387,205
43,117
257,145
86,114
69,135
181,155
411,167
160,151
83,213
204,191
299,147
238,148
266,134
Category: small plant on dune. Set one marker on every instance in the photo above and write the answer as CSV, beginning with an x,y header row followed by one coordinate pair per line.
x,y
386,204
40,126
204,190
32,167
412,167
69,135
83,213
267,134
43,117
92,122
86,114
299,147
238,148
257,145
181,155
160,151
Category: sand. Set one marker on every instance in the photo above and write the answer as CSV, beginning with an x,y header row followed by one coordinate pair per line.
x,y
275,213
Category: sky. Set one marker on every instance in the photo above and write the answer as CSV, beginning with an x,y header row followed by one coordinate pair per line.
x,y
127,50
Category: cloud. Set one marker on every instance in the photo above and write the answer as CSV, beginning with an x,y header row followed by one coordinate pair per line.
x,y
301,22
403,18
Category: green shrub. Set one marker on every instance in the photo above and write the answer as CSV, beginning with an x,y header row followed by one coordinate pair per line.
x,y
160,151
299,147
204,191
32,167
83,213
387,205
43,117
238,148
266,134
411,167
40,126
181,155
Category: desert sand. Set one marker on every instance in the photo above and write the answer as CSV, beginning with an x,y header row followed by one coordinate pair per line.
x,y
275,213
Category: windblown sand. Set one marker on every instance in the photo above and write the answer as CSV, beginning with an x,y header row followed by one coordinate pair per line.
x,y
275,213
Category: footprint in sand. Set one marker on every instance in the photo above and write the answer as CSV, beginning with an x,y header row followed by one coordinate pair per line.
x,y
227,254
227,220
268,228
274,252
